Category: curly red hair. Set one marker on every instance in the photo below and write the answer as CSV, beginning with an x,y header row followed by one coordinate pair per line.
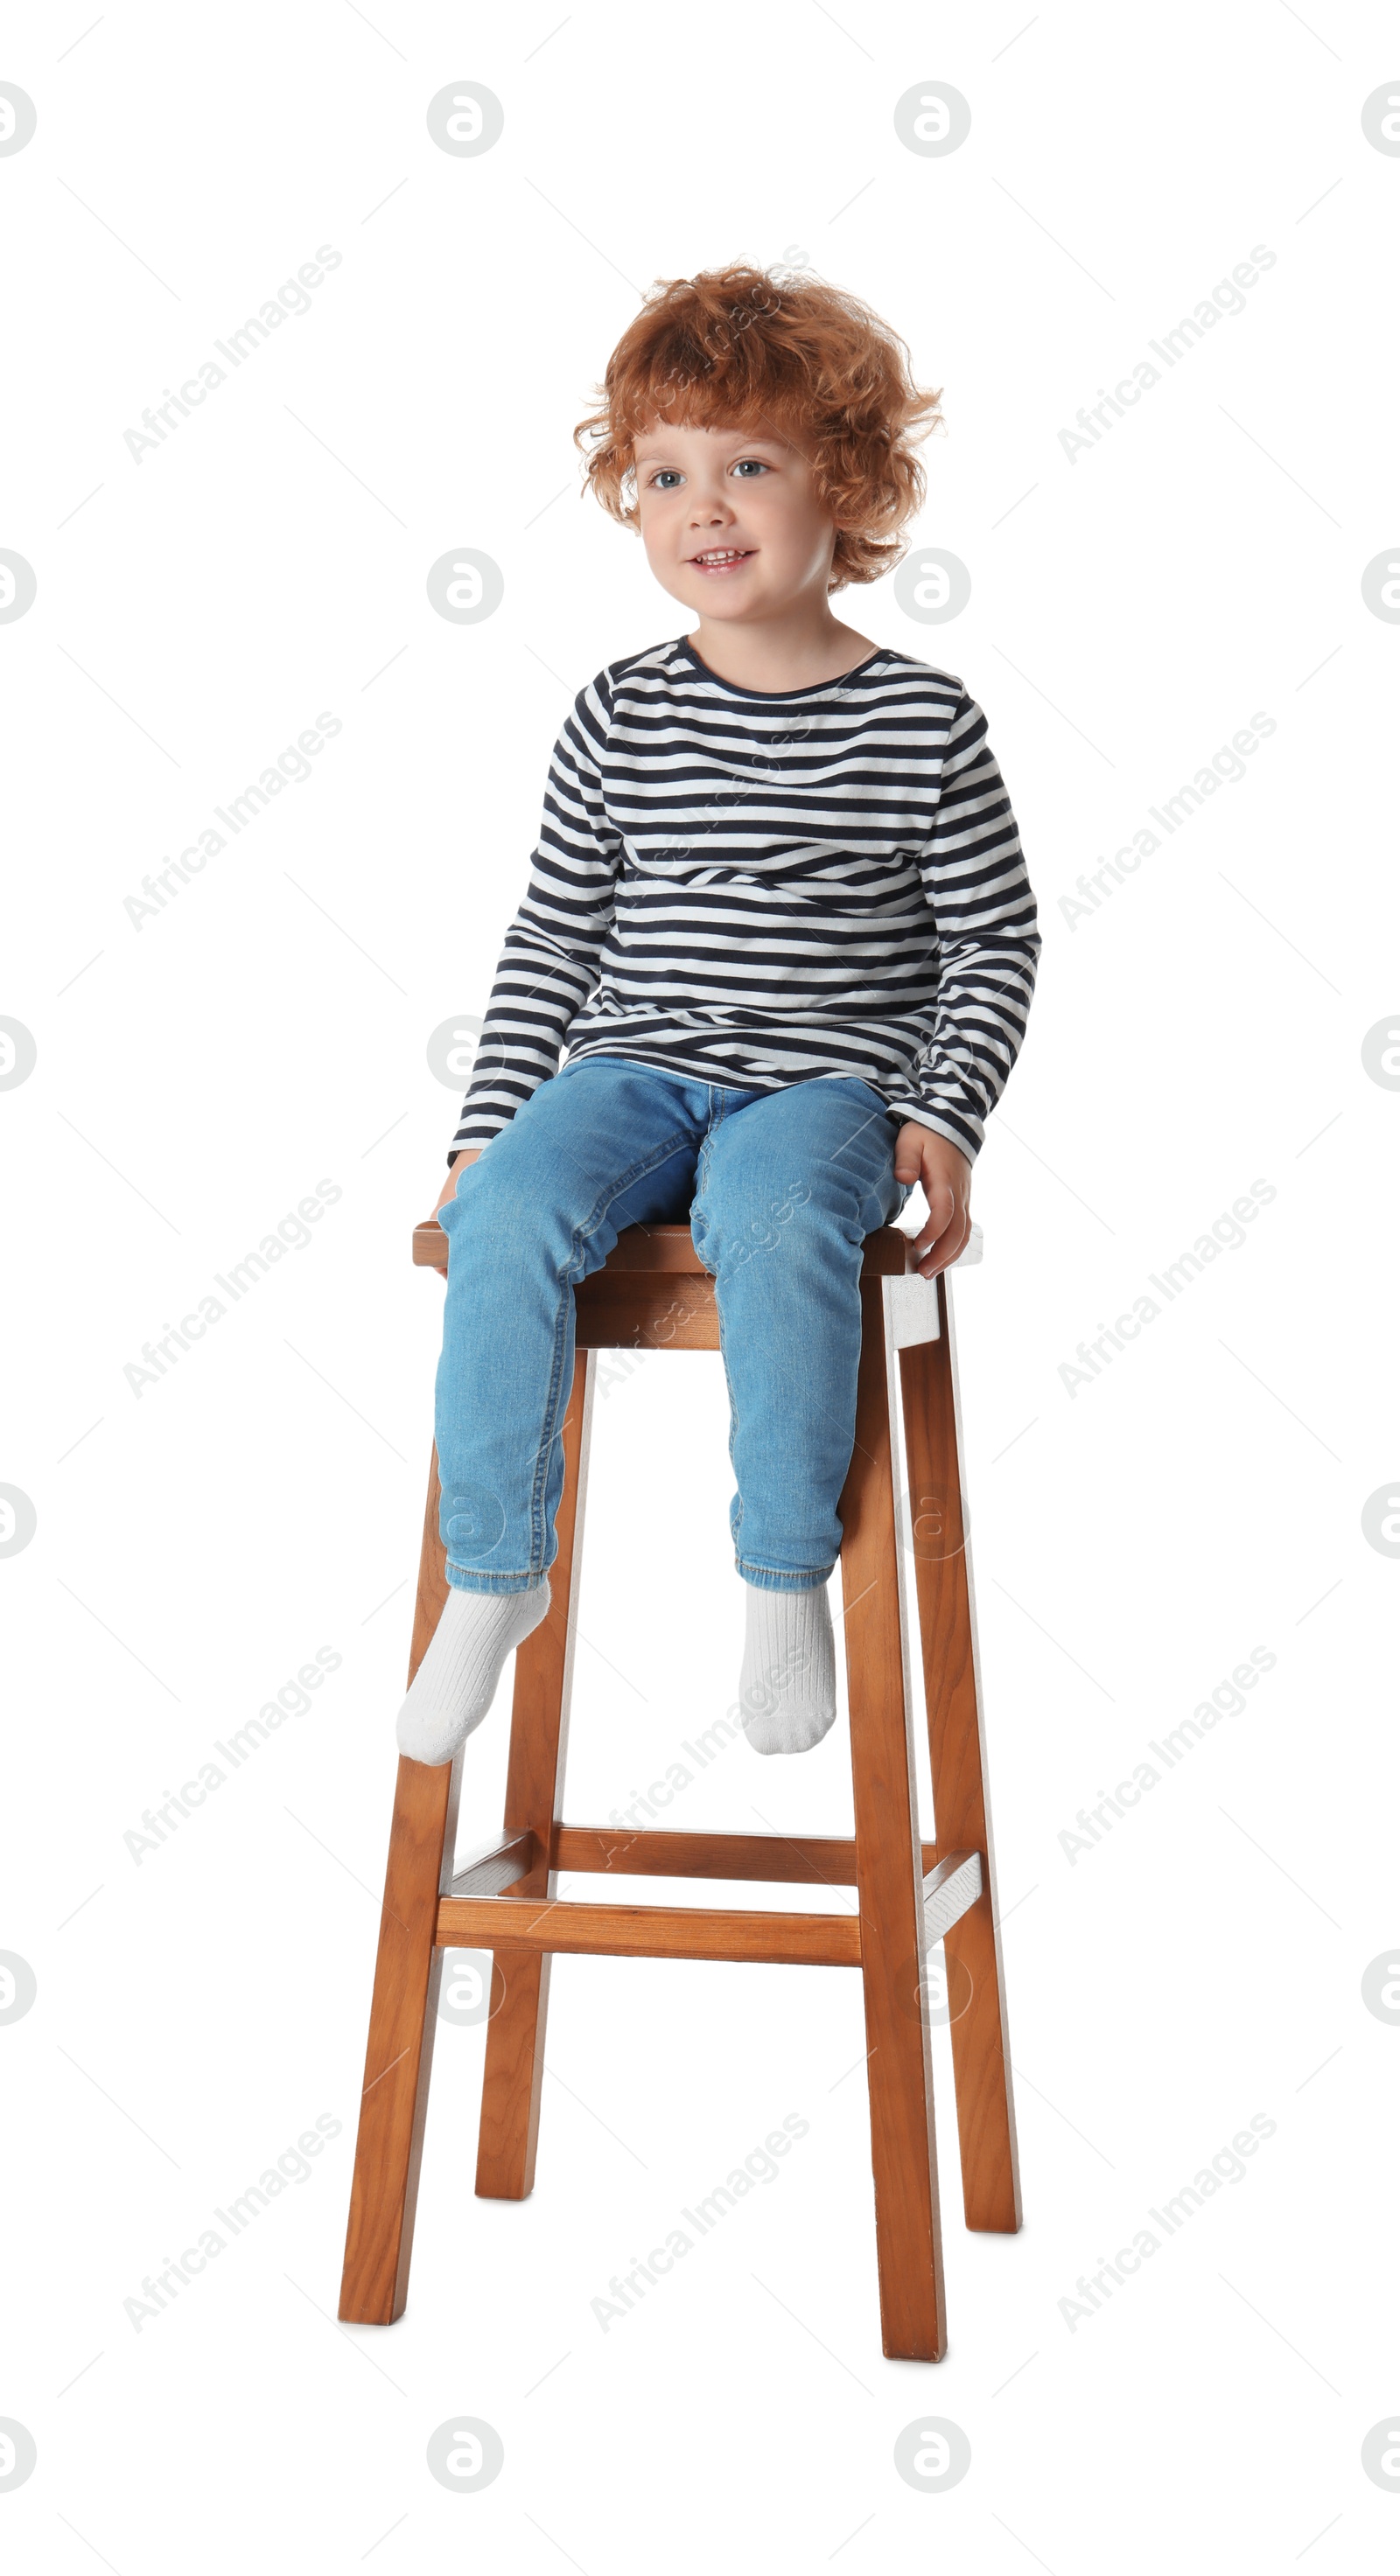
x,y
744,345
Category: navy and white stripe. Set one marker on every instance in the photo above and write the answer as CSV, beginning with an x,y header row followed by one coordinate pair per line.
x,y
754,889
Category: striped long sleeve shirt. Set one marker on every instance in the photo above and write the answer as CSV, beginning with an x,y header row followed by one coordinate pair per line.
x,y
757,888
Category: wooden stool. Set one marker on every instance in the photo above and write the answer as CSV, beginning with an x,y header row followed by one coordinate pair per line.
x,y
653,1293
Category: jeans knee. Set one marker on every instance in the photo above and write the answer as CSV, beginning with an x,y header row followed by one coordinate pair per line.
x,y
509,1221
748,1214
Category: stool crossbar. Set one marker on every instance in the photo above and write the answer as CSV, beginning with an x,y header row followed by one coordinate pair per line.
x,y
654,1293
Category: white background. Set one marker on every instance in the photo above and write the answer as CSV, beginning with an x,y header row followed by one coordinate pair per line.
x,y
1133,1540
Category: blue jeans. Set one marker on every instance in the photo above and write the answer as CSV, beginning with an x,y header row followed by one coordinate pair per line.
x,y
780,1189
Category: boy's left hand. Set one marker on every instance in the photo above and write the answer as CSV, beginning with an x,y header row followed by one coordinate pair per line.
x,y
921,1154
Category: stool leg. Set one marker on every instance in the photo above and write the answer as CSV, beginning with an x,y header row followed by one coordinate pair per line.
x,y
514,2075
403,2014
952,1689
889,1872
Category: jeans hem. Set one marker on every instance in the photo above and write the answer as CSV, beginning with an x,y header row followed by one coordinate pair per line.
x,y
768,1578
468,1578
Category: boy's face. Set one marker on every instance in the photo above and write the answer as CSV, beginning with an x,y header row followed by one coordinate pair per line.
x,y
730,522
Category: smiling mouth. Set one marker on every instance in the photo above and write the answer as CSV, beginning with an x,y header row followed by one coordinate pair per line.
x,y
722,558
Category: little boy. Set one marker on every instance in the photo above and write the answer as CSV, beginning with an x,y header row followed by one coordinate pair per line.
x,y
779,913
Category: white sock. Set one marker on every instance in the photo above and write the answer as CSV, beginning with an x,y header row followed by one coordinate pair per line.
x,y
787,1689
455,1683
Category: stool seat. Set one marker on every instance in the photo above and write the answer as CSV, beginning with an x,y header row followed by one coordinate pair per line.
x,y
654,1292
889,1252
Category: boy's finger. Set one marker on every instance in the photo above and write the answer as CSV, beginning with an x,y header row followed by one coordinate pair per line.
x,y
943,1247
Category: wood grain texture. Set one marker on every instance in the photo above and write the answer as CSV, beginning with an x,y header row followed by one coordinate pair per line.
x,y
431,1595
641,1311
807,1859
648,1931
403,2010
539,1738
670,1250
889,1872
957,1749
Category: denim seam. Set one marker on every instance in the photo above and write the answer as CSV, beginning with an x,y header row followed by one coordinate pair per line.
x,y
550,1429
702,1183
637,1172
549,1433
796,1573
494,1573
733,1413
702,1176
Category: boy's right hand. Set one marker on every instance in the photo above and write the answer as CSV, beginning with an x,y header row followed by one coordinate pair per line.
x,y
448,1190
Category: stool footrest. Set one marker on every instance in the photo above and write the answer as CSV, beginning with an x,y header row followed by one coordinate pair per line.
x,y
496,1865
473,1913
798,1859
950,1891
647,1931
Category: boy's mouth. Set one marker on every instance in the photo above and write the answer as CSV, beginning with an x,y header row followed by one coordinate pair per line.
x,y
722,559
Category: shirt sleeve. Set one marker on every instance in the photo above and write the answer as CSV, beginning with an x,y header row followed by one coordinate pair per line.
x,y
976,884
550,963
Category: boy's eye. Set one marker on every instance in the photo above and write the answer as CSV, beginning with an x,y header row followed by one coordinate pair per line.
x,y
666,478
750,465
